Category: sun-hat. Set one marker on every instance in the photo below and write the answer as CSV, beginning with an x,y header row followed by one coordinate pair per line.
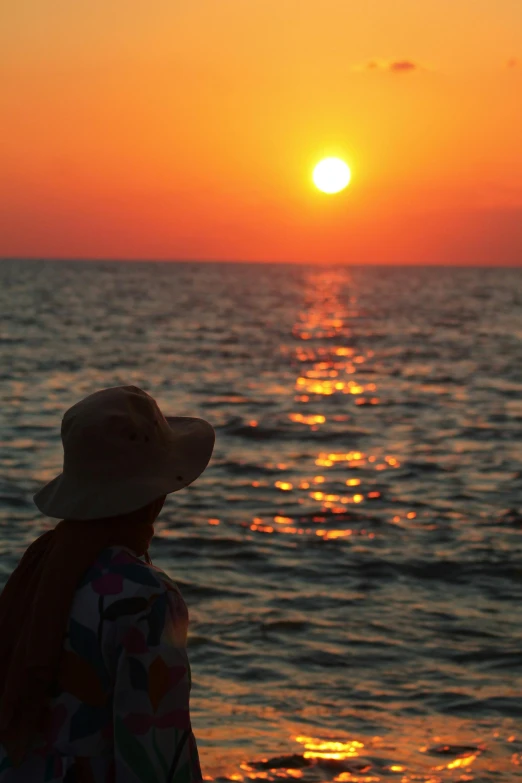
x,y
121,453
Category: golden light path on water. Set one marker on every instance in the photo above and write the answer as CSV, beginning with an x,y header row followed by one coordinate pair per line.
x,y
437,745
327,371
349,760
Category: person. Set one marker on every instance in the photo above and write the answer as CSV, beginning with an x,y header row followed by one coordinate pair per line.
x,y
94,674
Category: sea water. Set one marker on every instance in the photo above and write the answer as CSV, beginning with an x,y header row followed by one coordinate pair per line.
x,y
351,558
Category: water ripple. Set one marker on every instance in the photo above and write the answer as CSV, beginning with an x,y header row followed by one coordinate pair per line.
x,y
351,559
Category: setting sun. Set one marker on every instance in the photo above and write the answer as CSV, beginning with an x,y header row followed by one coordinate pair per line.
x,y
331,175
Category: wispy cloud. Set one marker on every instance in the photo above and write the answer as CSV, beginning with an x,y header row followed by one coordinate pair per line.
x,y
403,66
392,66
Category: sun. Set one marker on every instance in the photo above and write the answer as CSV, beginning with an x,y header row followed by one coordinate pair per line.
x,y
331,175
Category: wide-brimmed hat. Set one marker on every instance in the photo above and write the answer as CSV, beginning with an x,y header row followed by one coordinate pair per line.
x,y
121,453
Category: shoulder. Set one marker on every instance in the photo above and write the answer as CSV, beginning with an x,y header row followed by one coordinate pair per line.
x,y
117,570
126,593
120,584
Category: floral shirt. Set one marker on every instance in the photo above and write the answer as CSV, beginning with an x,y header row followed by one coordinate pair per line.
x,y
120,709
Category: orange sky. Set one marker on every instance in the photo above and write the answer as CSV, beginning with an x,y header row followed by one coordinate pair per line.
x,y
189,129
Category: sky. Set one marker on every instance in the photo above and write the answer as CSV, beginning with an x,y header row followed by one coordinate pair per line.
x,y
189,129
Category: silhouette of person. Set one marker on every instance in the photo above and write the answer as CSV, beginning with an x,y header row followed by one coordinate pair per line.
x,y
94,674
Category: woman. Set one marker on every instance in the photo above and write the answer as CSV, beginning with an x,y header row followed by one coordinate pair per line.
x,y
94,675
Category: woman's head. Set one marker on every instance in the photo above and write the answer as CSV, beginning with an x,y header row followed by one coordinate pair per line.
x,y
121,452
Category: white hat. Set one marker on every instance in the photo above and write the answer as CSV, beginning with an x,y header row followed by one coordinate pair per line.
x,y
121,453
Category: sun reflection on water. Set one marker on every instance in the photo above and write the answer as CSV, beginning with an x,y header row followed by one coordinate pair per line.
x,y
330,375
328,749
345,759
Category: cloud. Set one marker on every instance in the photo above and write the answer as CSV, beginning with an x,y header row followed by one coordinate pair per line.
x,y
402,66
392,66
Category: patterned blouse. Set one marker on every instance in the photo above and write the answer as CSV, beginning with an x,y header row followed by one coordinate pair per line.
x,y
120,710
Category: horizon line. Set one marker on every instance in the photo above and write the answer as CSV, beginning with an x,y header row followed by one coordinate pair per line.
x,y
121,259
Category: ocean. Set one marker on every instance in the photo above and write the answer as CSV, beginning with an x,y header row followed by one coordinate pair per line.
x,y
352,558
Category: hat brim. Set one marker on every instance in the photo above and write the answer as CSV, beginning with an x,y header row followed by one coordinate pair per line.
x,y
73,497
